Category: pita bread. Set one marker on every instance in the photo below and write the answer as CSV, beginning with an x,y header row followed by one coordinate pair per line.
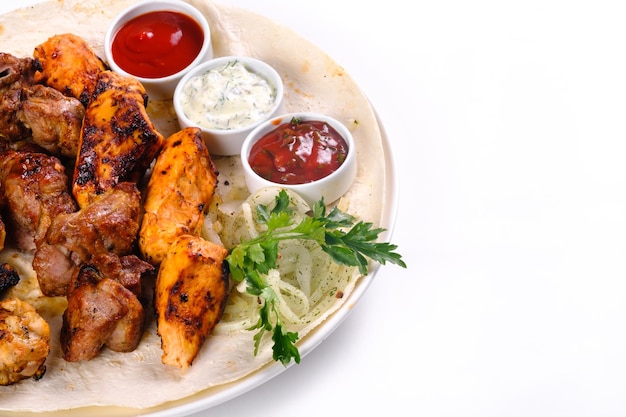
x,y
313,82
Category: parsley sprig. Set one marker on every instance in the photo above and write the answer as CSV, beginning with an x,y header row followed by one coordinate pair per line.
x,y
253,259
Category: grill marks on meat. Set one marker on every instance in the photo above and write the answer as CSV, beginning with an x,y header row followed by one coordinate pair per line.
x,y
190,297
117,114
100,312
64,106
34,190
179,192
108,225
67,63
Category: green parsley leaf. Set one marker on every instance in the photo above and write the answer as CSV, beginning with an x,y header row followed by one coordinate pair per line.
x,y
344,241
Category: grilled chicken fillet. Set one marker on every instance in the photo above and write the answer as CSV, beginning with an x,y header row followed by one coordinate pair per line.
x,y
190,297
67,63
118,141
180,189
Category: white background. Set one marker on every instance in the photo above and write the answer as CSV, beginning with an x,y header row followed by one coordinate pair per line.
x,y
507,123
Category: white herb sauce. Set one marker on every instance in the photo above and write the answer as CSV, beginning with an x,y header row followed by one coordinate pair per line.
x,y
227,97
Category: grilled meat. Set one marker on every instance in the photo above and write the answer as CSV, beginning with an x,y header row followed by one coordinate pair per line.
x,y
24,341
190,296
67,63
54,120
118,140
128,270
100,311
179,191
34,189
15,73
108,225
36,112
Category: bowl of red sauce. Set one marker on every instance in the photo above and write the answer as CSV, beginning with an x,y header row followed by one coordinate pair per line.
x,y
310,153
158,42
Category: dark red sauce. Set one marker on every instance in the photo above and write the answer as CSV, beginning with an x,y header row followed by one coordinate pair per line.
x,y
298,152
157,44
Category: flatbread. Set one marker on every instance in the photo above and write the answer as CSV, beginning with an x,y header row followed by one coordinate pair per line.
x,y
313,82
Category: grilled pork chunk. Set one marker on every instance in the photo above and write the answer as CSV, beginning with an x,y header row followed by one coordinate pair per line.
x,y
190,297
25,341
118,140
14,74
179,191
108,225
34,189
54,120
67,63
36,112
100,311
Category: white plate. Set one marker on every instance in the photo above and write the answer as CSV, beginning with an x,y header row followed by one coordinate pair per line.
x,y
218,395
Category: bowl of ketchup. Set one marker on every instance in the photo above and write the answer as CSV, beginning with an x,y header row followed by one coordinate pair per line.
x,y
158,42
310,153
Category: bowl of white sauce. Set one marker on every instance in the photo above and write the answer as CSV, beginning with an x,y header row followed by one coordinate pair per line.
x,y
227,97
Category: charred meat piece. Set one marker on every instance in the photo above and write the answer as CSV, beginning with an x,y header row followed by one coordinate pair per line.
x,y
180,189
54,120
67,63
108,225
24,341
34,190
8,277
100,311
118,140
190,296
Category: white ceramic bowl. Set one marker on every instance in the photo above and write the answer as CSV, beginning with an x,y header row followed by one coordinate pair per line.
x,y
219,138
331,187
158,88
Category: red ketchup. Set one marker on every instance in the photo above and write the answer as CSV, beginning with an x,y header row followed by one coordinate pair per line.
x,y
298,152
157,44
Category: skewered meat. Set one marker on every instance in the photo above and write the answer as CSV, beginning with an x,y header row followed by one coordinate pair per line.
x,y
180,189
118,140
67,63
24,341
8,277
100,311
108,225
34,189
191,292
